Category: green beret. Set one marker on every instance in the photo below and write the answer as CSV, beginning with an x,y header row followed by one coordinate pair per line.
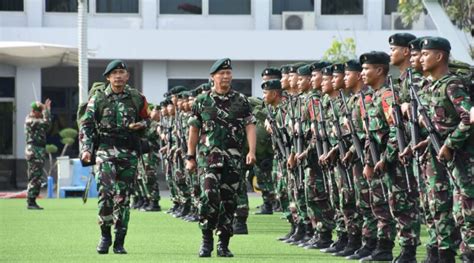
x,y
114,64
184,94
35,107
223,63
166,102
415,44
438,43
273,84
166,95
353,65
304,70
294,67
285,69
271,71
338,68
319,65
327,71
177,89
205,86
400,39
375,57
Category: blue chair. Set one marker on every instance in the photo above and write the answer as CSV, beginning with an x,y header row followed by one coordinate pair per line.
x,y
80,175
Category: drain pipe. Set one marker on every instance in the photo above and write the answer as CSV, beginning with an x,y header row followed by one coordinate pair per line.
x,y
82,50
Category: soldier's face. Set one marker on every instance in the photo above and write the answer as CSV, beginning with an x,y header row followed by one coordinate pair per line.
x,y
118,77
164,111
222,78
398,55
293,79
338,81
316,79
303,83
327,84
369,73
429,59
170,109
285,84
351,78
174,99
268,96
415,60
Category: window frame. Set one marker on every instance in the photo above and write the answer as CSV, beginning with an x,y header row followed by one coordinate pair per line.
x,y
215,15
138,14
159,13
320,10
14,139
279,14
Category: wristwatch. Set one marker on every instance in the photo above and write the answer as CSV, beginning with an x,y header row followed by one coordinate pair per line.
x,y
190,157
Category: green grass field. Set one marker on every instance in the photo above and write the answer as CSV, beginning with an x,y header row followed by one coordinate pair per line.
x,y
66,231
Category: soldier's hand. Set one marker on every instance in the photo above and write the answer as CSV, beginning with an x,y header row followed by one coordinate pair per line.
x,y
421,146
191,165
330,156
136,126
379,166
291,163
445,154
405,155
405,109
347,158
302,155
471,115
321,159
368,172
86,157
251,158
268,127
47,104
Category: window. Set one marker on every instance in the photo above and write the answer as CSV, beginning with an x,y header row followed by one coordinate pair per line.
x,y
241,85
7,98
342,7
280,6
11,5
7,88
181,7
229,7
61,6
117,6
391,6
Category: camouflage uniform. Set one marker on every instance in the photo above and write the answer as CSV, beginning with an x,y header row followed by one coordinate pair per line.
x,y
152,161
179,173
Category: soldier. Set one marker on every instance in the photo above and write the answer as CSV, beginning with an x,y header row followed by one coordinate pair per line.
x,y
223,117
400,57
37,124
110,125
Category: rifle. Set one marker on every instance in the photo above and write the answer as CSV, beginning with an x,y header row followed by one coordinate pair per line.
x,y
341,144
319,146
355,139
435,139
373,150
277,138
325,142
85,195
400,128
298,140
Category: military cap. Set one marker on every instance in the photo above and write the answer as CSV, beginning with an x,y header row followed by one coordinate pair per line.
x,y
415,44
114,64
285,69
35,106
272,84
400,39
166,102
338,68
327,71
195,92
304,70
223,63
375,57
438,43
319,65
205,86
166,94
177,89
294,67
271,71
184,94
352,65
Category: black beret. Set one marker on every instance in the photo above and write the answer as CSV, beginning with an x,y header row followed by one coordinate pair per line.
x,y
327,71
166,95
304,70
272,84
271,71
415,44
375,57
400,39
177,89
353,65
285,69
114,64
438,43
338,68
319,65
294,67
223,63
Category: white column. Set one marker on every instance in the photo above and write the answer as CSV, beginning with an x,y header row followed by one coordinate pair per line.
x,y
205,7
34,12
155,80
261,13
257,78
149,11
374,10
27,86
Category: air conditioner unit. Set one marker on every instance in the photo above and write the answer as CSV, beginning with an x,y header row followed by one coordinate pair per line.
x,y
298,21
416,25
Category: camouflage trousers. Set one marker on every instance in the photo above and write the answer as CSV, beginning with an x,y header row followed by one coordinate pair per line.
x,y
297,196
347,201
333,176
181,180
170,180
151,173
115,173
242,209
320,211
404,203
195,186
218,199
263,173
35,162
281,178
362,196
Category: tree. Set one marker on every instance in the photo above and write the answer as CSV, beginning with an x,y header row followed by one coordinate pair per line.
x,y
340,51
68,136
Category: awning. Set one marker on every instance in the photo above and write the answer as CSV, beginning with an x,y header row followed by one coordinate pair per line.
x,y
36,54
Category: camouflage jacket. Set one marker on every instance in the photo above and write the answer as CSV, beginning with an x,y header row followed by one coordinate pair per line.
x,y
37,128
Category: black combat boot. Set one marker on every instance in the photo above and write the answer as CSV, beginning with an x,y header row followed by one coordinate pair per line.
x,y
145,204
324,241
407,255
119,241
467,257
207,244
353,244
308,234
309,244
431,255
338,245
297,236
365,250
265,209
292,231
383,252
173,208
446,256
31,204
105,240
153,207
137,203
276,206
240,226
223,246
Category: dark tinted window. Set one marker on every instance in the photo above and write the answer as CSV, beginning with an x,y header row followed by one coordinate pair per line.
x,y
6,129
61,5
391,6
117,6
292,5
11,5
342,7
7,87
181,7
229,7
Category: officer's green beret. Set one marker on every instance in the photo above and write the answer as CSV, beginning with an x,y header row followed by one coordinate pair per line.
x,y
304,70
415,44
35,107
205,86
273,84
400,39
338,68
285,69
271,71
319,65
294,67
223,63
114,64
327,71
375,57
438,43
353,65
177,89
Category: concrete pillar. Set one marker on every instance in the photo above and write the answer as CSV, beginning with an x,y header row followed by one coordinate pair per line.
x,y
149,11
261,13
155,80
374,10
257,78
34,12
